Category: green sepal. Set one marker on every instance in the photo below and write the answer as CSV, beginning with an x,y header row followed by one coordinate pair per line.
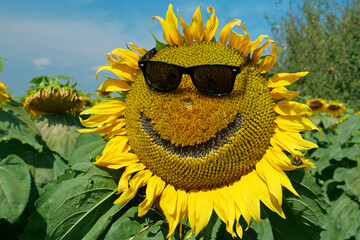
x,y
44,82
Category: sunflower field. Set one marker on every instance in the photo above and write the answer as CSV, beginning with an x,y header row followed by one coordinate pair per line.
x,y
163,151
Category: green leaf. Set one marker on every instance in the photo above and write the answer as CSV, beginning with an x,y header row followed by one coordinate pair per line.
x,y
44,166
130,226
328,120
59,132
215,229
348,128
344,219
36,229
15,123
87,145
263,230
340,174
322,157
355,139
72,204
352,152
103,223
305,216
14,187
352,181
316,119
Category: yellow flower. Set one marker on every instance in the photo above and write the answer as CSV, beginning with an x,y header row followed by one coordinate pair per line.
x,y
47,96
316,105
335,108
198,153
4,96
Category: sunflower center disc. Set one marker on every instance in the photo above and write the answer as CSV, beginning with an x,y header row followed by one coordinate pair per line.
x,y
195,141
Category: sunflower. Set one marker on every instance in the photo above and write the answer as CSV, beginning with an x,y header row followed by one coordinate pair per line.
x,y
47,96
195,152
4,96
317,105
335,108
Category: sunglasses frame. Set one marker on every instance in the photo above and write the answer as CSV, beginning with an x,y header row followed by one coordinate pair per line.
x,y
190,71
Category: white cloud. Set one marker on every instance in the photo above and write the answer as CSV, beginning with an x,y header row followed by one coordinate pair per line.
x,y
41,62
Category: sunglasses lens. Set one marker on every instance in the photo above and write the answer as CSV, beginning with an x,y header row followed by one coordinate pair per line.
x,y
216,80
162,76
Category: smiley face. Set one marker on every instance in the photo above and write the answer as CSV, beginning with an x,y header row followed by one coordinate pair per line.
x,y
192,140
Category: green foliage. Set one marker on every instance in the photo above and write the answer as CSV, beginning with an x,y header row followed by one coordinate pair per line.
x,y
337,160
305,216
14,187
43,82
28,164
74,202
88,145
15,123
322,37
59,132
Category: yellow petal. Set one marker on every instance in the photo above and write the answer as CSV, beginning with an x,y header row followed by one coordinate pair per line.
x,y
186,29
112,84
290,108
243,42
98,120
122,71
182,205
109,107
278,158
141,51
174,205
115,144
295,123
154,188
128,57
211,25
290,141
249,188
125,177
200,208
257,51
172,26
270,177
166,32
282,92
117,161
220,203
224,33
268,62
254,44
258,190
140,179
284,180
197,26
236,194
224,207
284,79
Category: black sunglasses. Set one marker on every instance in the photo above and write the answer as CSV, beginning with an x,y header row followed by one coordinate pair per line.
x,y
210,79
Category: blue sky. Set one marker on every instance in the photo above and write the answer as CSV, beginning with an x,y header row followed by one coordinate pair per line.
x,y
72,37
